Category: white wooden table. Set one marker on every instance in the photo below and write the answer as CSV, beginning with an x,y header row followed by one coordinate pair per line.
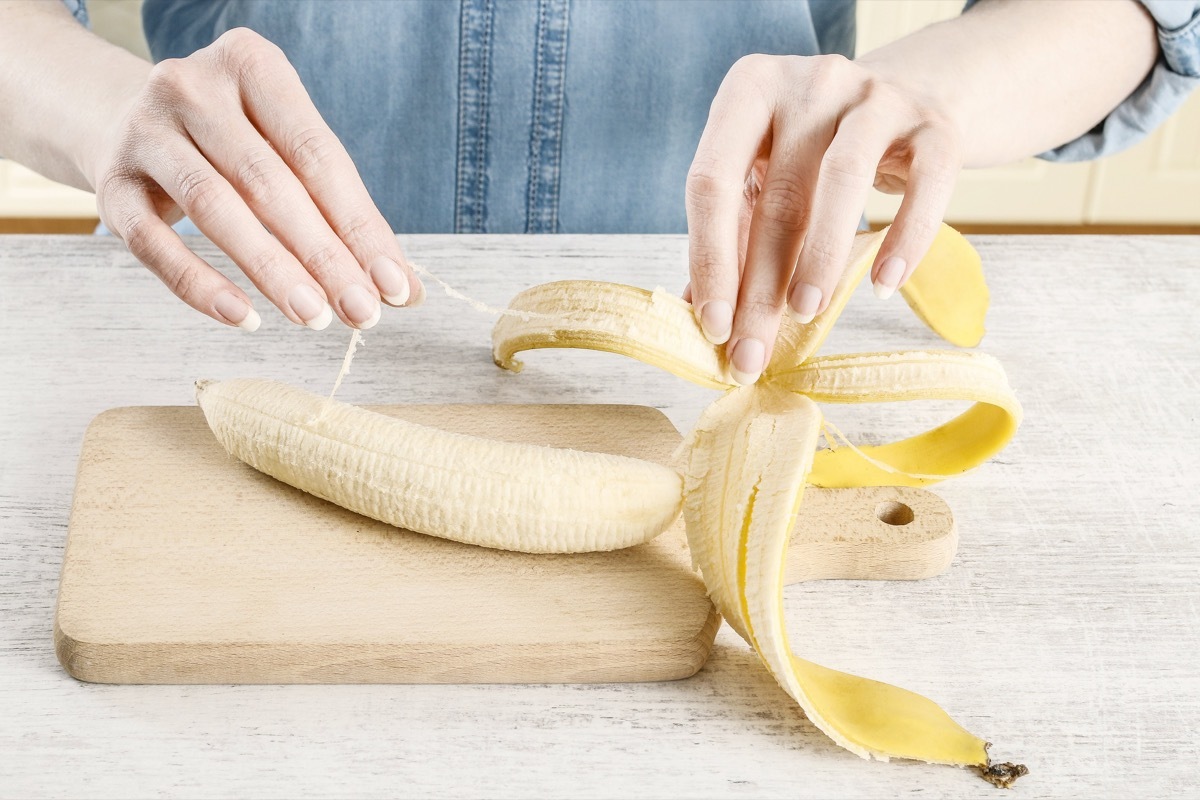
x,y
1066,632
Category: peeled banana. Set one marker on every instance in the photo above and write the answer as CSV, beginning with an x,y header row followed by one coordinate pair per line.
x,y
479,491
744,468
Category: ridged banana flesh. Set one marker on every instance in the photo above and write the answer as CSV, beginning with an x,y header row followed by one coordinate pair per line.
x,y
654,327
751,452
479,491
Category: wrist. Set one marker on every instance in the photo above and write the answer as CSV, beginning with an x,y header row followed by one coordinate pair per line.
x,y
938,91
111,103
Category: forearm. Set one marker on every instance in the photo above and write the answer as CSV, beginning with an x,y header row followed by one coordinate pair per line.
x,y
61,86
1018,78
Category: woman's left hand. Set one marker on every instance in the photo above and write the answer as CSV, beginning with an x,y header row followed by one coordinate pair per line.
x,y
778,185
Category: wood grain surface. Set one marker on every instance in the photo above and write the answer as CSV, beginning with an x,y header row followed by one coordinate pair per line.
x,y
1065,631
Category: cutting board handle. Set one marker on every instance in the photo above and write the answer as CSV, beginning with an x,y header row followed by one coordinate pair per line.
x,y
893,533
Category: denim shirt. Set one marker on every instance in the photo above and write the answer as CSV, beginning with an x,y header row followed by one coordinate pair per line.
x,y
563,115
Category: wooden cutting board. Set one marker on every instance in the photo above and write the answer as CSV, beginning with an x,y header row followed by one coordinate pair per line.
x,y
184,565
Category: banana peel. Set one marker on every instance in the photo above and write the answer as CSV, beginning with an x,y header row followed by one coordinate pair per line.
x,y
755,449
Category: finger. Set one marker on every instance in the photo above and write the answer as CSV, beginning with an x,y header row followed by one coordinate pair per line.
x,y
280,107
846,175
776,232
931,179
208,199
738,123
152,242
280,201
687,292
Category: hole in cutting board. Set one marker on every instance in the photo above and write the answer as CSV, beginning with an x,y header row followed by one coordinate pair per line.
x,y
894,513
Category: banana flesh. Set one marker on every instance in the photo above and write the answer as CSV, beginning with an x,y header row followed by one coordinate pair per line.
x,y
479,491
655,327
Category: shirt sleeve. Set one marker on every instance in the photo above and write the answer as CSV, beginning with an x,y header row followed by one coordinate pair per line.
x,y
1174,76
78,9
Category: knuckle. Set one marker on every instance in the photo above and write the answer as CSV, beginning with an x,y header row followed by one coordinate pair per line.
x,y
754,74
257,178
247,54
312,150
183,282
135,231
198,192
847,166
707,262
171,79
783,204
322,263
921,228
705,181
260,266
759,303
752,64
827,70
821,256
109,188
358,228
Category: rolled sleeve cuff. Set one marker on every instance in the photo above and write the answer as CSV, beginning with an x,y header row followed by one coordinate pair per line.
x,y
1174,76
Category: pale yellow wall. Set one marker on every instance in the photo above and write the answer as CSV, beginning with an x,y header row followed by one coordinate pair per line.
x,y
1156,182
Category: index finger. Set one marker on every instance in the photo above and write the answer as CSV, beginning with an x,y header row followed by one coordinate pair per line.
x,y
738,122
280,107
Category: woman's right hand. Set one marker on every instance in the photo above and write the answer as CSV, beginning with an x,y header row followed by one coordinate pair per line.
x,y
229,137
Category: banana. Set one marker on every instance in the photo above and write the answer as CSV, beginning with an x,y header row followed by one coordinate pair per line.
x,y
654,327
746,463
753,451
495,494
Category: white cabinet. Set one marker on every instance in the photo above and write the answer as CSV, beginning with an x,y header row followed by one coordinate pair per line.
x,y
25,194
1156,182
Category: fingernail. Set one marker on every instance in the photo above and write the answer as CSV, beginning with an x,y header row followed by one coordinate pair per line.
x,y
890,274
390,280
716,320
418,297
237,311
310,307
360,307
804,302
747,361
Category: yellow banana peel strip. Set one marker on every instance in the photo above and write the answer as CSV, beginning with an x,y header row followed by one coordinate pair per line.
x,y
744,481
951,449
947,290
753,451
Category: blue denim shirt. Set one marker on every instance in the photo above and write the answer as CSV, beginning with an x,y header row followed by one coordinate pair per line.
x,y
563,115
